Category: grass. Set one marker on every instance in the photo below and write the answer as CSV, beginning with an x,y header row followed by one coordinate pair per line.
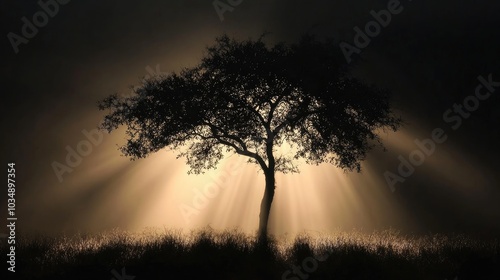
x,y
233,255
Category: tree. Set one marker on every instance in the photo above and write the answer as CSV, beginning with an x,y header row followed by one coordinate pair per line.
x,y
249,98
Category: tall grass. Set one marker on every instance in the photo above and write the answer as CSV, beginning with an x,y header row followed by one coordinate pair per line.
x,y
208,254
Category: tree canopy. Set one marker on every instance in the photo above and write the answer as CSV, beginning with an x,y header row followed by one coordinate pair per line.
x,y
249,97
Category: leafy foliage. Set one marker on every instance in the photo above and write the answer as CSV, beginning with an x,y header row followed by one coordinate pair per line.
x,y
250,98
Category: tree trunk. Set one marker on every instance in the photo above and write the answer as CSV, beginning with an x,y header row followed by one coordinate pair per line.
x,y
265,206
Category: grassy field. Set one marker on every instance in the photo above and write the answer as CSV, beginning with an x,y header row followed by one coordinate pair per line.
x,y
234,255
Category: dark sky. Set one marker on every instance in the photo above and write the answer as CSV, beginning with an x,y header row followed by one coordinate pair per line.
x,y
429,55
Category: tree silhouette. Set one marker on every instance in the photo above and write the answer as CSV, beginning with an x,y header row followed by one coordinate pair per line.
x,y
249,98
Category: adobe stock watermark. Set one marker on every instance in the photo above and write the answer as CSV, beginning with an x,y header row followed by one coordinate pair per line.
x,y
75,156
49,9
153,72
156,72
93,138
372,29
454,117
309,265
228,6
122,276
210,190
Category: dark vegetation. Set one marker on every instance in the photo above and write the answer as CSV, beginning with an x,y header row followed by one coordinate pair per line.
x,y
233,255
